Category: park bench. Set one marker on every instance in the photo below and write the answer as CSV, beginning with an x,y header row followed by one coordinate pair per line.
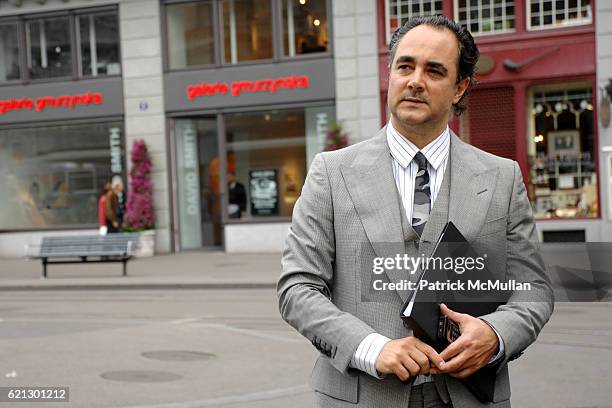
x,y
118,247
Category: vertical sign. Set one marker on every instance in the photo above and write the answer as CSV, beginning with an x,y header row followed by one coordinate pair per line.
x,y
318,121
263,186
188,174
115,150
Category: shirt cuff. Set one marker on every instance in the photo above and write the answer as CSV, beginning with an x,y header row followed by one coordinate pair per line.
x,y
365,356
502,350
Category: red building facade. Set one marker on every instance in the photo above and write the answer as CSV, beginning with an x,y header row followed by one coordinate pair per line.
x,y
534,99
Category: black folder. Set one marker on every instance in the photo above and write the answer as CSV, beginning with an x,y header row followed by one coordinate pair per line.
x,y
422,314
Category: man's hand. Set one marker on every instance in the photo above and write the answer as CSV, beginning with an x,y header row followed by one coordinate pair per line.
x,y
407,358
472,350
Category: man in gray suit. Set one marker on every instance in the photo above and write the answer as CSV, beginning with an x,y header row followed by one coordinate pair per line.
x,y
393,194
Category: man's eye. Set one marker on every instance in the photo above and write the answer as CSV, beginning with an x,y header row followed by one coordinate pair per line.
x,y
433,71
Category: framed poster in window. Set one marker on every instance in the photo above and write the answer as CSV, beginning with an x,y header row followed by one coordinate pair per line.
x,y
563,143
263,185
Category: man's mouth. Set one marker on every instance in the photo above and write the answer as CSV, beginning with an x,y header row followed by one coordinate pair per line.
x,y
414,100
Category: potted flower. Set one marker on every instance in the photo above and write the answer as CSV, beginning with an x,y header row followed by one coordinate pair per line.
x,y
335,138
139,207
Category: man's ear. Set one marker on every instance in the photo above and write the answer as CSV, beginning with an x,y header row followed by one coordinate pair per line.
x,y
461,87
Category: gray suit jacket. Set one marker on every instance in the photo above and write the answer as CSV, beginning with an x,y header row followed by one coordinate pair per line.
x,y
349,212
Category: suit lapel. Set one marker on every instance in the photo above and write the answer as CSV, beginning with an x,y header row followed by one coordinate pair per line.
x,y
371,186
471,188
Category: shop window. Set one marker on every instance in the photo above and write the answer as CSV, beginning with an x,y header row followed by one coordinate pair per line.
x,y
49,48
9,52
485,16
402,10
558,13
52,176
305,26
267,155
98,42
190,34
562,179
247,32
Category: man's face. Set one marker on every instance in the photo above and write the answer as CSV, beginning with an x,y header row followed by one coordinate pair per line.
x,y
119,187
422,77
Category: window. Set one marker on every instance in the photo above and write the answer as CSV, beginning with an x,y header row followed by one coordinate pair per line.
x,y
247,32
305,26
563,180
558,13
9,52
485,16
49,48
190,35
98,38
402,10
52,176
68,45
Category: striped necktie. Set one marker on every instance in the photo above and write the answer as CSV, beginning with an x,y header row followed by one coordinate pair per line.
x,y
422,195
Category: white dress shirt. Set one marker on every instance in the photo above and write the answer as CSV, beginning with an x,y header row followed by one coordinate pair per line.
x,y
404,172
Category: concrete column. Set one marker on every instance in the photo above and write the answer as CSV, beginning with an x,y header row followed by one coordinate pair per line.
x,y
604,74
141,49
356,67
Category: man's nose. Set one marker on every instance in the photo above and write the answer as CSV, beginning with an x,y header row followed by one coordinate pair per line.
x,y
415,83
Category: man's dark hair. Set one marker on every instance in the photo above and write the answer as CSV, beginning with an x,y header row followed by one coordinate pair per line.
x,y
468,52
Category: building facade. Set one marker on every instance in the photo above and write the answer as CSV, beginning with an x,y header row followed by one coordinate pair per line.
x,y
535,101
233,98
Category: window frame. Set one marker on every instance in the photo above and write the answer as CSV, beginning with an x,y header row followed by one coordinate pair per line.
x,y
218,39
76,67
281,35
516,3
98,120
388,17
529,28
21,47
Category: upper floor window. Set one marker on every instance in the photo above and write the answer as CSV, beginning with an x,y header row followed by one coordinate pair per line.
x,y
49,48
247,32
399,11
485,16
190,34
220,32
558,13
51,44
305,26
98,39
10,65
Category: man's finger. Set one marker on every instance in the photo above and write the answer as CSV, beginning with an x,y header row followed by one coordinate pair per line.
x,y
400,371
432,354
453,349
457,363
466,372
421,359
451,314
412,367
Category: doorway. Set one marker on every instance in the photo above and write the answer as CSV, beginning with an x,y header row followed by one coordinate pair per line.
x,y
198,180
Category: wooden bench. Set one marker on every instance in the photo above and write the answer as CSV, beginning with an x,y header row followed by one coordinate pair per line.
x,y
118,247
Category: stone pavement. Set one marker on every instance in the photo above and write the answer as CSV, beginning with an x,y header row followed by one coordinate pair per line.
x,y
193,270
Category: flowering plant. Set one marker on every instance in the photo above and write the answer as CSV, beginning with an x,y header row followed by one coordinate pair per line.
x,y
139,214
335,139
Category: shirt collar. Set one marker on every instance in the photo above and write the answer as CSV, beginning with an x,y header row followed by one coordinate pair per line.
x,y
403,150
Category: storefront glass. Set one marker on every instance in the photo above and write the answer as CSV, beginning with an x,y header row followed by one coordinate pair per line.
x,y
52,176
563,178
102,30
267,157
190,34
247,31
49,50
199,189
305,26
9,52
